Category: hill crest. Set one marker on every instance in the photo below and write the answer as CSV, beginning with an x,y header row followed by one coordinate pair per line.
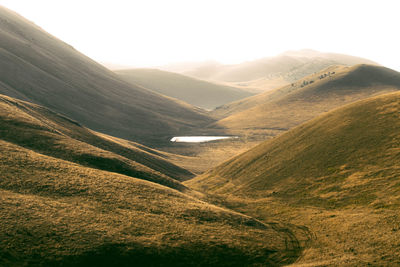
x,y
298,102
39,68
200,93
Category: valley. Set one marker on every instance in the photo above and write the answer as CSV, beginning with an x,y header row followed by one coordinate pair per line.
x,y
291,160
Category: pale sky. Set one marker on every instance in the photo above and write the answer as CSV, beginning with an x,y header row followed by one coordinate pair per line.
x,y
147,33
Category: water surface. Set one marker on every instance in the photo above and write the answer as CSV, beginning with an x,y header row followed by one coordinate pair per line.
x,y
198,139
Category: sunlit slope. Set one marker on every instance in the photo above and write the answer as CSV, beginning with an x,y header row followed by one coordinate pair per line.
x,y
338,175
58,213
349,156
39,129
272,72
196,92
298,102
37,67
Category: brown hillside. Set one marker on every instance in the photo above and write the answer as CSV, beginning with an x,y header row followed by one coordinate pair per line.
x,y
39,68
298,102
39,129
72,197
337,174
57,213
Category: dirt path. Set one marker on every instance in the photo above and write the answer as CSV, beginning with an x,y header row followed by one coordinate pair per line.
x,y
297,238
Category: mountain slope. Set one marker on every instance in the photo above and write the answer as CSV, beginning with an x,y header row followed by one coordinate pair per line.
x,y
338,175
273,72
196,92
39,129
57,213
39,68
72,197
343,151
298,102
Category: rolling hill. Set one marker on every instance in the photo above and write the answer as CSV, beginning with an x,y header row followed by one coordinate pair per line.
x,y
298,102
337,174
196,92
72,197
272,72
37,67
44,131
57,213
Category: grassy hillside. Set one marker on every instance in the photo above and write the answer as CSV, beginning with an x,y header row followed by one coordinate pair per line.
x,y
39,129
39,68
298,102
72,197
269,73
57,213
337,174
196,92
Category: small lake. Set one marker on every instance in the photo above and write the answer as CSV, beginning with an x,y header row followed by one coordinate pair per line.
x,y
198,139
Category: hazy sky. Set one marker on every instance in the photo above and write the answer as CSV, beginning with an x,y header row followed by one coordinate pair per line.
x,y
151,33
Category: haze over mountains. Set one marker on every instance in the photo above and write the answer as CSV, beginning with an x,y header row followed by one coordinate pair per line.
x,y
71,196
88,176
196,92
268,73
39,68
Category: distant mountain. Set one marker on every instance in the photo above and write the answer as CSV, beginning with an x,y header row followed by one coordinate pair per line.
x,y
272,72
113,66
39,68
300,101
72,197
181,67
196,92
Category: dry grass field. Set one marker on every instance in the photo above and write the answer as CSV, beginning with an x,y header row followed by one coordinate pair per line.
x,y
284,108
72,197
89,177
338,175
39,129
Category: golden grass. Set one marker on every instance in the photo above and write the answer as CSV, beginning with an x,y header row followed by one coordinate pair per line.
x,y
44,131
73,197
57,212
291,105
337,174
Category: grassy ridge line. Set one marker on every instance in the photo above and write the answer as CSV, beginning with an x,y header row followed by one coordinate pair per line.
x,y
39,68
272,95
347,156
55,212
294,104
337,174
40,129
282,69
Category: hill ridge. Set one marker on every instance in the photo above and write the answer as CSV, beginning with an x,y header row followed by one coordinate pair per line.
x,y
40,68
298,102
197,92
